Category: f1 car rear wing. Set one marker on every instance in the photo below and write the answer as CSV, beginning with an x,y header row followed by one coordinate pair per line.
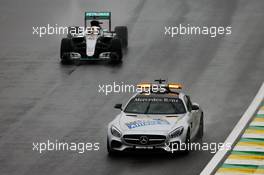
x,y
97,16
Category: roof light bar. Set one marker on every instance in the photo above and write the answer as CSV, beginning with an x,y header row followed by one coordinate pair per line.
x,y
174,86
170,86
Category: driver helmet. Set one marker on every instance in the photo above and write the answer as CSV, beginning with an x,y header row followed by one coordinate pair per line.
x,y
95,23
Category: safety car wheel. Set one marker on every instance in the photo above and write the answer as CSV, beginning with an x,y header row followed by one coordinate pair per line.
x,y
201,127
110,151
187,142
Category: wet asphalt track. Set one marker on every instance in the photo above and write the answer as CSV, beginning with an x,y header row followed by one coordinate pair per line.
x,y
41,99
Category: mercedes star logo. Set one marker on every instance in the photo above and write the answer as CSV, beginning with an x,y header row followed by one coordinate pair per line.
x,y
143,140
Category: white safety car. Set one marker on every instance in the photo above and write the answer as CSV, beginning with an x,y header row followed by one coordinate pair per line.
x,y
158,118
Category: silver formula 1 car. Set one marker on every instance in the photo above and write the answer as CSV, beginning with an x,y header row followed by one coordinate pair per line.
x,y
94,41
156,120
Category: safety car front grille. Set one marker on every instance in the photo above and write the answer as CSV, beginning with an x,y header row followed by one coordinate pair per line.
x,y
136,139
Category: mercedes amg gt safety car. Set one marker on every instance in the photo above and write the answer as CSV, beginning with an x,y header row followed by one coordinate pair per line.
x,y
95,41
155,120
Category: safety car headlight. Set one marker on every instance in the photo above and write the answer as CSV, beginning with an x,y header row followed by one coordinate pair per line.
x,y
176,132
115,132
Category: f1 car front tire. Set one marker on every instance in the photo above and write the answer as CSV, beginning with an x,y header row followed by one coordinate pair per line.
x,y
65,48
116,50
122,34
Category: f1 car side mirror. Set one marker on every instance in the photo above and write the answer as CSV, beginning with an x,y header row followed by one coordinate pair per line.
x,y
118,106
195,107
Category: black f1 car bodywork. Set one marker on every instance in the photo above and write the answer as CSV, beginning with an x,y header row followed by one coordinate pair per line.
x,y
95,41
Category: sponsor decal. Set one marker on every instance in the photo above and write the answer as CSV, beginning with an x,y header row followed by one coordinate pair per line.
x,y
97,14
140,123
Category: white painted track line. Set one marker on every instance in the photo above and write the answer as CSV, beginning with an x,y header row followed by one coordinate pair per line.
x,y
212,166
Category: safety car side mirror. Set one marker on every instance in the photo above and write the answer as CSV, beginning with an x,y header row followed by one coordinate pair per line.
x,y
195,107
118,106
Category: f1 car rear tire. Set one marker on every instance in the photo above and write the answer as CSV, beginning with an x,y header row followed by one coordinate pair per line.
x,y
200,132
65,48
116,50
122,34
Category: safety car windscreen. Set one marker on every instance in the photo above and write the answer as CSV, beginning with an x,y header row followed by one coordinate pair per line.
x,y
152,105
